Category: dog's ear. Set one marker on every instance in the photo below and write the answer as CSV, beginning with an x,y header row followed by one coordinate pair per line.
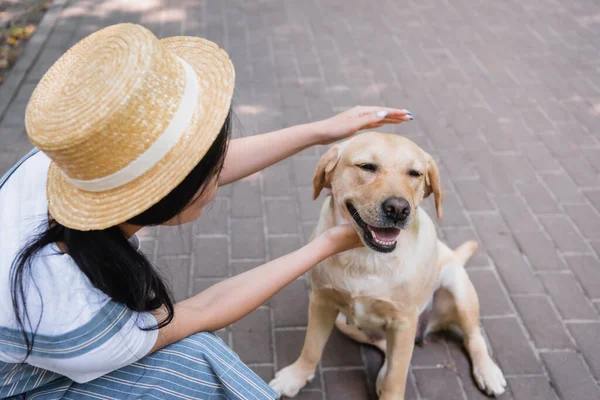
x,y
433,185
327,163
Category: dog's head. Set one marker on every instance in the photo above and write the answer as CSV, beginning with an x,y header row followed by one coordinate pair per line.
x,y
378,181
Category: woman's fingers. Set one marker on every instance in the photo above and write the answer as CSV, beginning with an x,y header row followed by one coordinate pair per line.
x,y
392,120
391,112
386,121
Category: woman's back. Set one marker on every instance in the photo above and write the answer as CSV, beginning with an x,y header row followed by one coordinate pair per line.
x,y
79,323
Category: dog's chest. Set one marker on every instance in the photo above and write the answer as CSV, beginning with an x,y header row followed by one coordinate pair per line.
x,y
368,300
365,314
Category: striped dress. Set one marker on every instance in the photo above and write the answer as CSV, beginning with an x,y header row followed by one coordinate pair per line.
x,y
88,346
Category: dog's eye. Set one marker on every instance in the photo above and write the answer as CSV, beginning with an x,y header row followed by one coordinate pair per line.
x,y
414,173
368,167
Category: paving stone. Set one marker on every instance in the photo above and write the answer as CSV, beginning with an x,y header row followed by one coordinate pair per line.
x,y
594,197
203,284
542,323
538,198
539,250
454,236
515,273
245,199
439,383
45,60
568,297
281,216
493,231
586,336
458,164
532,388
303,170
563,188
148,248
345,384
473,195
177,273
175,240
214,219
310,394
341,351
454,214
288,344
587,270
517,169
238,267
290,306
570,376
592,156
247,239
515,213
434,352
309,208
492,300
541,158
581,171
308,228
58,39
25,92
280,246
586,220
252,337
266,373
277,179
511,348
596,245
562,231
462,365
15,115
211,257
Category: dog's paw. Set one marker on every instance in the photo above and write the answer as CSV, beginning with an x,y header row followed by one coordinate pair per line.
x,y
489,378
290,380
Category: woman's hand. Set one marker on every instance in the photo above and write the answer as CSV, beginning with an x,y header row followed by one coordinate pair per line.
x,y
358,118
340,238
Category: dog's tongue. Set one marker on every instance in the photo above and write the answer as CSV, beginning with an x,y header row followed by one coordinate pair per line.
x,y
385,234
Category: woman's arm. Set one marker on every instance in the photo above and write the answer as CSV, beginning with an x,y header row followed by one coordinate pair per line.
x,y
229,301
248,155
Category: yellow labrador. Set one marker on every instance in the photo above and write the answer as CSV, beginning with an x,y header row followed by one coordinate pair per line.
x,y
405,282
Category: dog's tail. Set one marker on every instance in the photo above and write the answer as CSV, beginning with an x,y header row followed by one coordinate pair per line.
x,y
466,251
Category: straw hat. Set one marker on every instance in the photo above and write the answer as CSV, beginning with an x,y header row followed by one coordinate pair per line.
x,y
124,117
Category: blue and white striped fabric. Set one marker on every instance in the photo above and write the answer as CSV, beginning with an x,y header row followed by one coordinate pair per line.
x,y
88,346
199,367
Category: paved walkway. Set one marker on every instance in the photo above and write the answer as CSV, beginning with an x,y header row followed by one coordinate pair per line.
x,y
506,95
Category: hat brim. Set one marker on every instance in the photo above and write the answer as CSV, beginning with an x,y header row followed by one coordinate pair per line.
x,y
84,210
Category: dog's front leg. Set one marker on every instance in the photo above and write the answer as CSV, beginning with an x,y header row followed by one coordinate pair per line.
x,y
400,344
321,318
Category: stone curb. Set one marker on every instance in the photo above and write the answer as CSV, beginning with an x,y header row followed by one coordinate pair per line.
x,y
33,47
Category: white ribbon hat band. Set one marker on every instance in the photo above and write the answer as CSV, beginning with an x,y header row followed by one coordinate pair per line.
x,y
161,146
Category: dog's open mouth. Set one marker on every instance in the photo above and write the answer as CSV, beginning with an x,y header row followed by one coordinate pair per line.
x,y
379,239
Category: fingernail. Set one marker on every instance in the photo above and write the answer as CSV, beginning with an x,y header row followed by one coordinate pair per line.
x,y
382,114
408,112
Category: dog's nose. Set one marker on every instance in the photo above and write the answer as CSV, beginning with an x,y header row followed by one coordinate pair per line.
x,y
396,208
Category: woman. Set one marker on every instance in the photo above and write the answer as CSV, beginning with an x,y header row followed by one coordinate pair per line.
x,y
134,132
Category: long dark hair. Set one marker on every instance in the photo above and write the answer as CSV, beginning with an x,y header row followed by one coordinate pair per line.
x,y
107,257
